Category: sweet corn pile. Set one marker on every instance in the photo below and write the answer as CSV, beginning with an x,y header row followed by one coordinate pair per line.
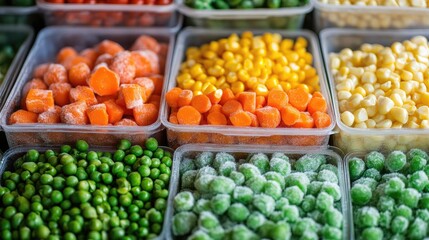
x,y
389,3
383,87
249,63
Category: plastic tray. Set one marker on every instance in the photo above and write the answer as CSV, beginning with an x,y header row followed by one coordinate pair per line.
x,y
17,15
283,18
109,15
369,17
15,34
48,43
14,153
354,139
192,150
184,134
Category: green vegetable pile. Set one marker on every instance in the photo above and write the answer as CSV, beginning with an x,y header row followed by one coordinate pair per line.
x,y
244,4
7,53
82,194
17,3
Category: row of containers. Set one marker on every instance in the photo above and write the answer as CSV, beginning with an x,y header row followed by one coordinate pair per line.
x,y
326,15
51,39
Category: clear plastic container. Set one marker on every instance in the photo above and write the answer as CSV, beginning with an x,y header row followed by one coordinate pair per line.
x,y
48,43
192,150
13,34
282,18
109,15
11,155
18,15
369,17
356,139
183,134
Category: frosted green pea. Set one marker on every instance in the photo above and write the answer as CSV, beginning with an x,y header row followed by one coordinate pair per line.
x,y
220,203
226,168
304,225
375,160
417,152
217,233
202,184
423,214
201,205
222,158
332,189
369,182
386,203
372,173
372,233
237,212
385,219
221,184
242,232
261,161
361,194
199,235
183,223
237,177
395,161
255,220
418,229
368,217
275,176
204,159
294,195
242,194
265,204
314,188
327,176
324,201
280,166
256,183
186,165
309,162
404,211
333,217
394,186
249,171
184,201
332,233
188,179
417,163
281,231
309,203
280,155
298,179
410,197
207,220
273,189
206,171
290,213
280,203
399,224
418,181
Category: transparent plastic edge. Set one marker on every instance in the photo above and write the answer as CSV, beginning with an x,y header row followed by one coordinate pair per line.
x,y
247,131
182,150
15,10
43,5
231,14
353,8
22,79
334,32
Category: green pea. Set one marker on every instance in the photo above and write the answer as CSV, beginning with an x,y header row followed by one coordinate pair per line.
x,y
46,179
96,176
144,196
160,204
8,199
58,183
125,200
17,220
144,171
25,175
91,155
69,169
147,184
82,146
130,159
154,173
159,153
155,163
119,155
65,148
29,166
10,184
135,179
9,211
148,153
161,193
164,177
33,220
32,155
167,161
136,150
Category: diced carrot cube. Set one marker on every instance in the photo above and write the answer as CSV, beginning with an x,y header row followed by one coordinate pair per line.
x,y
277,98
268,117
35,83
147,62
132,94
248,101
304,121
231,106
185,98
79,74
75,113
146,42
97,114
188,115
39,101
102,99
83,93
114,110
65,53
146,114
61,93
55,73
104,81
123,64
126,122
215,96
23,116
227,94
147,86
172,97
158,81
110,47
40,70
104,58
50,117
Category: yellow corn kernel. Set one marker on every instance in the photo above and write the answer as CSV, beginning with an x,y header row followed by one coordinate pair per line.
x,y
225,85
286,44
292,57
237,87
232,65
196,93
406,75
196,70
209,54
261,90
344,86
308,57
406,86
253,81
201,77
187,84
255,72
347,118
211,80
360,90
397,100
231,77
385,105
355,101
197,86
282,60
209,88
423,112
294,78
272,82
278,68
344,95
386,123
399,114
370,123
310,72
247,34
300,43
248,64
182,77
227,56
304,87
274,55
301,76
243,75
286,85
245,43
360,115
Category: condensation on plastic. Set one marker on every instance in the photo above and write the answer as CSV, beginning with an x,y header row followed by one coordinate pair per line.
x,y
192,150
15,33
109,15
282,18
11,155
49,41
183,134
358,139
369,17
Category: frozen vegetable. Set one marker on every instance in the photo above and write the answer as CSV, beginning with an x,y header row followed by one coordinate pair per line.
x,y
263,204
244,4
78,193
392,3
7,53
133,2
394,203
103,85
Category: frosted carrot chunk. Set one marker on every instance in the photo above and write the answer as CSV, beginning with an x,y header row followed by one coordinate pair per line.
x,y
110,47
40,70
268,117
90,54
75,113
158,81
155,99
83,93
145,42
97,114
104,58
147,86
35,83
126,122
104,81
55,73
39,101
102,99
132,94
123,64
22,116
79,74
145,114
61,93
147,62
114,110
50,117
65,53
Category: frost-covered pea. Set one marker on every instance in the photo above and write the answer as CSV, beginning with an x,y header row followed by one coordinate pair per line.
x,y
423,214
329,167
276,216
308,203
385,219
332,189
294,195
217,233
386,203
316,215
418,229
249,170
309,162
222,158
298,179
227,168
184,201
273,189
266,228
388,176
201,205
369,182
183,223
333,217
256,183
221,184
375,160
242,232
304,225
188,179
395,161
275,176
261,161
314,188
242,194
327,176
361,194
372,173
280,203
372,233
237,212
418,180
255,220
324,201
332,233
281,231
404,211
368,217
199,235
410,197
399,224
309,236
220,203
280,155
356,168
204,159
207,220
290,213
186,165
202,184
281,166
264,203
207,170
312,176
417,152
424,201
237,177
417,163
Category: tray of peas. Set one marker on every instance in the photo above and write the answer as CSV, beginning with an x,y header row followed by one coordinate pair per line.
x,y
15,42
17,11
254,192
82,192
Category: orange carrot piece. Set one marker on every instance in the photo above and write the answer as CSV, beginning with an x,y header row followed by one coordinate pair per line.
x,y
216,108
304,121
277,98
54,74
231,106
90,54
104,81
40,70
290,115
201,103
147,86
146,42
255,122
155,99
158,81
216,118
75,113
317,104
147,62
248,100
61,93
97,114
23,116
188,115
215,96
35,83
321,119
173,118
39,101
79,74
114,111
132,94
50,117
65,53
240,119
110,47
75,61
83,93
146,114
126,122
299,98
104,58
185,98
268,117
260,102
227,94
318,94
102,99
123,64
172,97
